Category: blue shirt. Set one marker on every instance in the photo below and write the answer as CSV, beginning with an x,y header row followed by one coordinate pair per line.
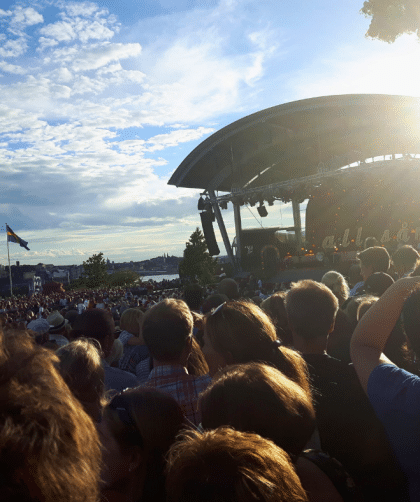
x,y
116,379
395,397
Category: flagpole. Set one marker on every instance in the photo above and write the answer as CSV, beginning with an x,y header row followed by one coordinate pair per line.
x,y
10,268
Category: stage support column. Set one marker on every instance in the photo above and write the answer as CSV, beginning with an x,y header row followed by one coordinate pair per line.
x,y
298,225
238,230
222,228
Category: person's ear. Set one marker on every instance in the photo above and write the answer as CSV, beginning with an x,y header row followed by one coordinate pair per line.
x,y
135,460
331,327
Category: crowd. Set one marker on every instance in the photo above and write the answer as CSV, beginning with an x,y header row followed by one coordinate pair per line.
x,y
239,392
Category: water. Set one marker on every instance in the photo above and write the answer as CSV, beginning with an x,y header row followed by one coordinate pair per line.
x,y
159,278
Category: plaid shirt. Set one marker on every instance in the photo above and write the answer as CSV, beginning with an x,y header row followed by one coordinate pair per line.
x,y
185,388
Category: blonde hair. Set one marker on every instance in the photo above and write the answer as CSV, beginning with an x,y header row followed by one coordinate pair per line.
x,y
50,446
338,285
229,465
248,334
81,367
131,320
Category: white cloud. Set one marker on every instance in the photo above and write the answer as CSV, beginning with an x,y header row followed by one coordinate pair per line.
x,y
23,17
80,8
11,68
61,31
100,55
13,48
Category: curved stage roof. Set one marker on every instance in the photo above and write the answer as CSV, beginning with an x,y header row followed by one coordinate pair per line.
x,y
302,138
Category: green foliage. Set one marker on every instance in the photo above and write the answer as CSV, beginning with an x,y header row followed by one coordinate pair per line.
x,y
392,18
197,263
94,271
76,284
123,278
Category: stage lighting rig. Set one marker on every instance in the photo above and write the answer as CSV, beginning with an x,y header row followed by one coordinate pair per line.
x,y
262,210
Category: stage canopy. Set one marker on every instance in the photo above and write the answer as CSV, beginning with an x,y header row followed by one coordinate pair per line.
x,y
300,139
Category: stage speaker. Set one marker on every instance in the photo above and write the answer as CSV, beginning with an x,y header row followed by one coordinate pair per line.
x,y
207,224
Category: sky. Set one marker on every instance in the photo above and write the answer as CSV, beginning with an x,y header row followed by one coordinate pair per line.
x,y
101,101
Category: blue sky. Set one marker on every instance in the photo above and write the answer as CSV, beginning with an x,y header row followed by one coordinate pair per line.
x,y
101,101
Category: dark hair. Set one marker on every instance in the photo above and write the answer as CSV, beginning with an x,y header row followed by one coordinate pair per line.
x,y
376,257
193,296
225,465
311,309
258,398
405,258
94,323
246,332
167,326
151,421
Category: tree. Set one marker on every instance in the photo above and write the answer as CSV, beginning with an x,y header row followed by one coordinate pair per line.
x,y
392,18
94,270
123,278
197,263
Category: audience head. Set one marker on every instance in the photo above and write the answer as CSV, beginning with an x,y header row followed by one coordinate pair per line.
x,y
364,305
405,259
228,287
225,465
370,242
275,307
213,301
131,320
81,368
97,324
311,309
377,283
338,285
167,330
352,307
49,445
239,332
138,427
258,398
373,259
193,296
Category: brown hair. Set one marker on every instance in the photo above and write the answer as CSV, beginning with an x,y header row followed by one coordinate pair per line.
x,y
49,445
258,398
246,332
406,258
81,367
376,257
166,328
197,364
225,465
275,307
311,309
131,320
155,421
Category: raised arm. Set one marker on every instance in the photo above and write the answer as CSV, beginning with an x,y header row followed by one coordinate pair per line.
x,y
373,330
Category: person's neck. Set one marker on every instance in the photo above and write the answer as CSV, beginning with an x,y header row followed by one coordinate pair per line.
x,y
129,489
317,345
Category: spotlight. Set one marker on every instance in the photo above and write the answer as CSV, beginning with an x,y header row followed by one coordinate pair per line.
x,y
201,204
262,210
223,204
270,201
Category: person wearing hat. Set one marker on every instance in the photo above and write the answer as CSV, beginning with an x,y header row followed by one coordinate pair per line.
x,y
57,329
40,328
